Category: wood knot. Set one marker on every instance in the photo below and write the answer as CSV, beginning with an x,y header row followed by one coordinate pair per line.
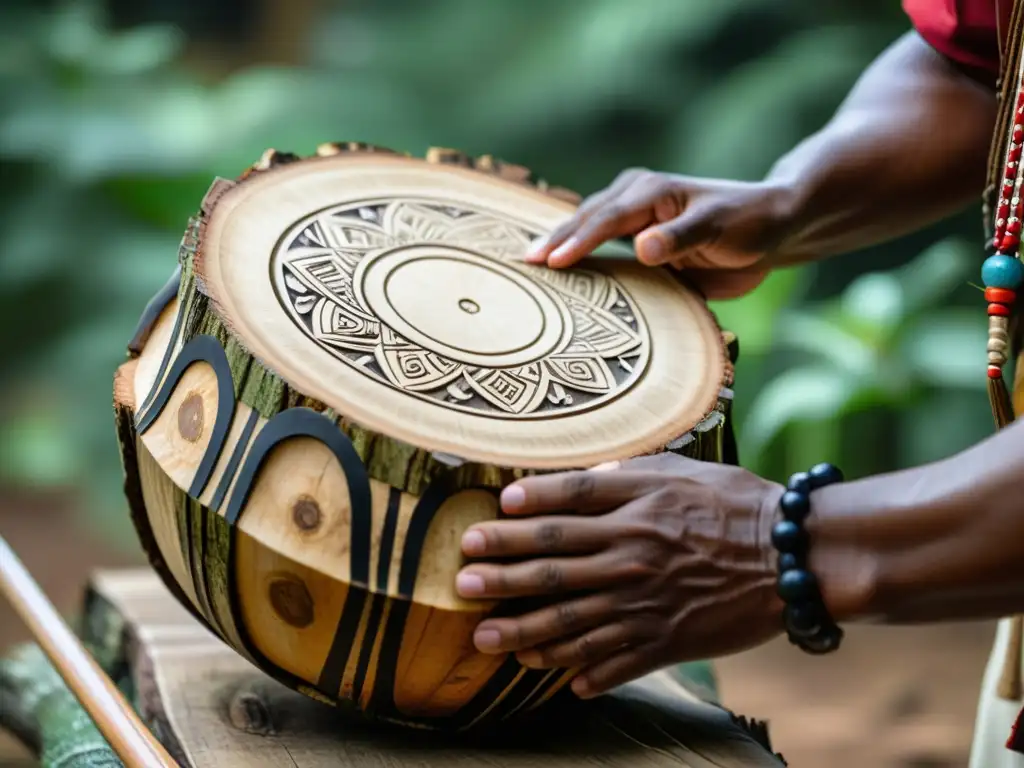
x,y
291,601
190,417
306,514
249,713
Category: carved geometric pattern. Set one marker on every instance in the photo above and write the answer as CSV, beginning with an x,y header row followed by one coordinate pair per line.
x,y
380,285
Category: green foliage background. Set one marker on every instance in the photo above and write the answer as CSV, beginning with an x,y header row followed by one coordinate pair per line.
x,y
108,141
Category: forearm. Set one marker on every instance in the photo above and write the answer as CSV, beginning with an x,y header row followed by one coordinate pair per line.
x,y
937,543
908,147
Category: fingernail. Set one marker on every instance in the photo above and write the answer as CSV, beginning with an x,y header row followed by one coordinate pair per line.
x,y
469,584
487,640
529,659
474,543
513,498
535,253
561,253
608,466
581,688
650,248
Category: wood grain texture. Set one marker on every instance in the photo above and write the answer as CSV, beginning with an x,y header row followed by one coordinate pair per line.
x,y
211,708
309,518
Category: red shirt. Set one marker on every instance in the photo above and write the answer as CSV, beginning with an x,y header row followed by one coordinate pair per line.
x,y
963,30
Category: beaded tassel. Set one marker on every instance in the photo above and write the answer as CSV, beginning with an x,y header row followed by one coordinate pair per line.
x,y
1002,274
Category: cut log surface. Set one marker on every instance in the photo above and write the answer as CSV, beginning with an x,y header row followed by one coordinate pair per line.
x,y
214,710
355,361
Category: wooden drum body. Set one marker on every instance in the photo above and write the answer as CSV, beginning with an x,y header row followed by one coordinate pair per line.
x,y
348,366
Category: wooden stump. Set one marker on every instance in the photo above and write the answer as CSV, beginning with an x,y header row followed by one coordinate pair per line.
x,y
212,709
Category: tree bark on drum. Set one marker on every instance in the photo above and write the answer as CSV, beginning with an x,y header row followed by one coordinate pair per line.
x,y
199,548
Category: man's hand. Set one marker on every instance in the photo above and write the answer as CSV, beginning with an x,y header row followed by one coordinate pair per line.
x,y
720,230
665,560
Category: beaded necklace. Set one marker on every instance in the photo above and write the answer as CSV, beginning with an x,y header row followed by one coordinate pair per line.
x,y
1003,272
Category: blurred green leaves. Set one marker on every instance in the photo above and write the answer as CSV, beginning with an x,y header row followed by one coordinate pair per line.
x,y
108,142
884,343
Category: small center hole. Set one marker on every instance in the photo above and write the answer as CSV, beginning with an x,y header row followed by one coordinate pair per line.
x,y
469,306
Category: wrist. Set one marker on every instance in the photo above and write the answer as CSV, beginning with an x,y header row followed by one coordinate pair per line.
x,y
808,621
788,211
847,565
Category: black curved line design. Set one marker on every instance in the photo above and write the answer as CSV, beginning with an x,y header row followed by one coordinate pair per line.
x,y
205,349
235,460
151,313
305,422
443,487
436,494
165,361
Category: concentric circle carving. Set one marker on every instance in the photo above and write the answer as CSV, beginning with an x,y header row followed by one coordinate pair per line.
x,y
435,301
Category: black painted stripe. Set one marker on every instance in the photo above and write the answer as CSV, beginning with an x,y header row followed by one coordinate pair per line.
x,y
208,350
382,698
373,622
484,699
152,312
164,362
380,598
547,682
439,490
513,700
333,670
437,493
235,460
387,539
305,422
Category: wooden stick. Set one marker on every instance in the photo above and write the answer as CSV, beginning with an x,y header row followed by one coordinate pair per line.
x,y
114,717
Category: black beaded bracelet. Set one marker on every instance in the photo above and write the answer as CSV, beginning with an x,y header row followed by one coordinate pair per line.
x,y
805,617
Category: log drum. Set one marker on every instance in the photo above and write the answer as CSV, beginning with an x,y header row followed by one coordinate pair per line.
x,y
349,363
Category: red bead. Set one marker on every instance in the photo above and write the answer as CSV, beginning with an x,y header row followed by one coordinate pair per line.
x,y
1014,154
1009,243
1020,99
1013,226
1000,310
1003,211
1010,172
995,372
1000,295
1007,189
1018,133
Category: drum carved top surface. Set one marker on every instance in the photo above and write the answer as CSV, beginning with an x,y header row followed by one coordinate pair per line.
x,y
433,299
393,291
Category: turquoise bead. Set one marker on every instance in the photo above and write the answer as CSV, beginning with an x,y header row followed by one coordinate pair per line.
x,y
1002,271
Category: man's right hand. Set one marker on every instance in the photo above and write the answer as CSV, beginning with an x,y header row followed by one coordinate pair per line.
x,y
718,231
